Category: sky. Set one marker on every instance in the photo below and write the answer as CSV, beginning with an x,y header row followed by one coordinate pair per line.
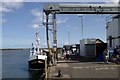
x,y
19,23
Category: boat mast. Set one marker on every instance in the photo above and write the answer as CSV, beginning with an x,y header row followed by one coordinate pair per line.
x,y
37,43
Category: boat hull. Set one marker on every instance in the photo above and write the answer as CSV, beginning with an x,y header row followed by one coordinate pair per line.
x,y
37,64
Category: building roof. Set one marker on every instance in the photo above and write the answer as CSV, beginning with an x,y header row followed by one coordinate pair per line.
x,y
99,41
92,41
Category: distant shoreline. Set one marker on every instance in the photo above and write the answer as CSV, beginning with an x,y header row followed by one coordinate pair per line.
x,y
14,49
23,48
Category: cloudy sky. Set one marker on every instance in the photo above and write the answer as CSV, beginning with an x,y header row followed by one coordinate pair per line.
x,y
19,22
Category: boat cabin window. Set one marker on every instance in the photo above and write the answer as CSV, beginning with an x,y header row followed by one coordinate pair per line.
x,y
33,49
36,49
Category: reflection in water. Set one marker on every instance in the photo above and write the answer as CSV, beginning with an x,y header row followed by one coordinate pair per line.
x,y
35,75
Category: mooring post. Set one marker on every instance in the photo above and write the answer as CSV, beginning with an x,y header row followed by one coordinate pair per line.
x,y
59,73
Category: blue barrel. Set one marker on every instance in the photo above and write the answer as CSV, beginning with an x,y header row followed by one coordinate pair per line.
x,y
100,57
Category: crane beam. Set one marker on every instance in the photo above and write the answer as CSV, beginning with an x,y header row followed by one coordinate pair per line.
x,y
82,8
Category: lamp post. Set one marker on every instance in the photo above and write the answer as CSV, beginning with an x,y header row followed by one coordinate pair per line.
x,y
81,25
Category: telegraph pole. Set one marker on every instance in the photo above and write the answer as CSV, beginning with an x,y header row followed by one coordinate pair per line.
x,y
47,37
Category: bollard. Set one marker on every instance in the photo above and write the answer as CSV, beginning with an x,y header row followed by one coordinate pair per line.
x,y
59,73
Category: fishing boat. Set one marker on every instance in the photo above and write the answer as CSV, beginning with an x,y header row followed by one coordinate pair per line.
x,y
37,56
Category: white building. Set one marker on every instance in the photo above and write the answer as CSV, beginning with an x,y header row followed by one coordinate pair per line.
x,y
113,31
92,47
84,49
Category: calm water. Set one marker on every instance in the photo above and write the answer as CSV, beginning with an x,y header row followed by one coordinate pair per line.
x,y
14,65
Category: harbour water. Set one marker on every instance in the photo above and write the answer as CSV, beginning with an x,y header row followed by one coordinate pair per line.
x,y
15,66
